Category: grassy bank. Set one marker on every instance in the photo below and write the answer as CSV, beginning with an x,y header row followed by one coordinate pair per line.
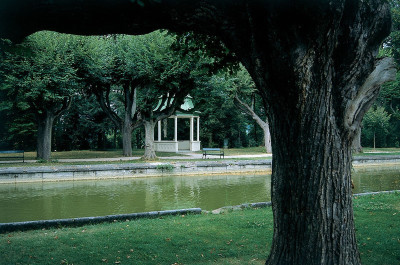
x,y
240,237
367,151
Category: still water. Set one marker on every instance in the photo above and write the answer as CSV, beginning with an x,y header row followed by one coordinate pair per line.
x,y
54,200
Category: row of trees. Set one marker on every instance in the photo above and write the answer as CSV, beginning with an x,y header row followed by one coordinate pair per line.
x,y
71,92
381,124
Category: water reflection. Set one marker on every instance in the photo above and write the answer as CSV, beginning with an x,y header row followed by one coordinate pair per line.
x,y
51,200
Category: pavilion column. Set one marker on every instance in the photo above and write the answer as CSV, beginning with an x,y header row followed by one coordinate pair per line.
x,y
159,131
198,129
176,129
191,129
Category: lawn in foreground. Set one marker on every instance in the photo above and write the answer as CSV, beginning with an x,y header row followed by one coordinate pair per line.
x,y
239,237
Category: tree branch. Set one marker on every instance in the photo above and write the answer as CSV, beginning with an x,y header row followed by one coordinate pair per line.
x,y
246,108
105,106
384,71
65,106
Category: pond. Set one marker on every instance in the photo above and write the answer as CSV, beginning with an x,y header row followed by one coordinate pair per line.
x,y
54,200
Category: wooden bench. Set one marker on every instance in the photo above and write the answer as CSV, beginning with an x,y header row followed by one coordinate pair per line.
x,y
6,156
213,151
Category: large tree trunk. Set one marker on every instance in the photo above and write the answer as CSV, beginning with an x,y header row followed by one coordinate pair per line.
x,y
311,188
127,135
315,101
45,127
149,152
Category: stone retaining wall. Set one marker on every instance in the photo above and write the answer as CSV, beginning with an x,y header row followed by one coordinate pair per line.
x,y
132,170
93,172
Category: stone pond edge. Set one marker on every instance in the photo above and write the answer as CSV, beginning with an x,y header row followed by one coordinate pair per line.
x,y
132,170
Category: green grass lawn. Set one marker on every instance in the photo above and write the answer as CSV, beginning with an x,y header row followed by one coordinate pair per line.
x,y
88,154
239,237
259,150
85,154
379,151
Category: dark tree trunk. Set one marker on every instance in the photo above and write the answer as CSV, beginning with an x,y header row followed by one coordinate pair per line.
x,y
149,152
311,188
317,77
45,127
127,135
313,64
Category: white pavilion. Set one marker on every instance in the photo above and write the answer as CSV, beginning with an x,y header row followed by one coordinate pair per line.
x,y
175,145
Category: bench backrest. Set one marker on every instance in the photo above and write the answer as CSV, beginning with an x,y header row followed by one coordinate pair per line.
x,y
211,149
11,152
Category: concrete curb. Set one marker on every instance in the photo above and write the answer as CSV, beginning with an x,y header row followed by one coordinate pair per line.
x,y
30,225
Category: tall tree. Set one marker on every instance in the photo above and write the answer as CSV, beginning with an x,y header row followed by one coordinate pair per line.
x,y
376,127
222,121
40,79
314,63
129,75
244,91
172,74
111,69
84,126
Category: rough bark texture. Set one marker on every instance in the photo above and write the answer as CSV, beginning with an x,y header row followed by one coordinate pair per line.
x,y
267,138
127,135
313,62
149,152
45,120
45,127
356,145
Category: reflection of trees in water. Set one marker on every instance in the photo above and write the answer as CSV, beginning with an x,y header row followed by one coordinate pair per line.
x,y
50,200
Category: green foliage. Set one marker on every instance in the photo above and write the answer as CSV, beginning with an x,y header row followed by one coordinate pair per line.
x,y
84,126
38,80
165,167
389,97
221,116
376,127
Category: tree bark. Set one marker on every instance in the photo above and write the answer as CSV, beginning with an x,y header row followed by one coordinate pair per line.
x,y
356,146
127,135
45,127
149,152
311,188
267,138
